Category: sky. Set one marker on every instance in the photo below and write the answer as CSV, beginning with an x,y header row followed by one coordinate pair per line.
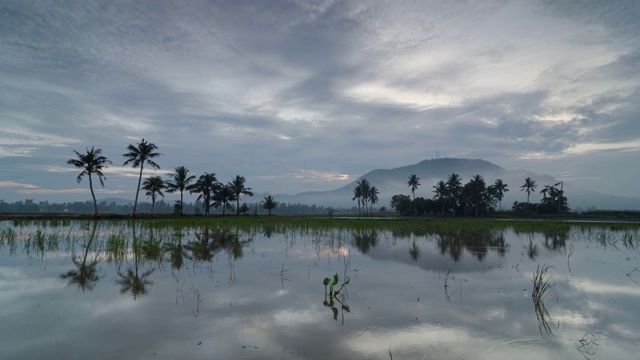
x,y
309,95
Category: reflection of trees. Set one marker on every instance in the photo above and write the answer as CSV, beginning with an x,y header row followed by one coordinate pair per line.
x,y
132,281
85,275
365,240
478,242
555,240
414,252
210,242
177,252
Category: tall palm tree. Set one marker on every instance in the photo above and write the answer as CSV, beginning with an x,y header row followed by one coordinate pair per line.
x,y
454,189
91,163
478,191
365,187
137,156
154,186
222,196
373,198
269,203
179,181
204,186
237,184
440,188
529,186
500,188
414,182
357,195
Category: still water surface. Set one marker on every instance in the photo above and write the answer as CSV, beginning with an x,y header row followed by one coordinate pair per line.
x,y
218,290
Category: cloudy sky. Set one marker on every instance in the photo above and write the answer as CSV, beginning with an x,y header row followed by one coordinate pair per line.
x,y
307,95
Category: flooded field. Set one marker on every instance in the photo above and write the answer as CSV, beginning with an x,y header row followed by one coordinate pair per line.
x,y
341,289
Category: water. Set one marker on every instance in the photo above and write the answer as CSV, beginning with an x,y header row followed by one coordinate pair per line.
x,y
77,290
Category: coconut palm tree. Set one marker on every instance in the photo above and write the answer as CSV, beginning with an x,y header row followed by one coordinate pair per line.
x,y
499,189
373,198
357,195
179,181
365,187
529,186
478,191
454,189
222,196
269,203
154,186
440,188
204,186
237,184
414,182
137,156
91,163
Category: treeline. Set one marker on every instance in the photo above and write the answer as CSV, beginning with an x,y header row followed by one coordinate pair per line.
x,y
29,206
476,198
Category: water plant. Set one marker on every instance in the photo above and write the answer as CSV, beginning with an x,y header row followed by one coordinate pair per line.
x,y
541,283
333,293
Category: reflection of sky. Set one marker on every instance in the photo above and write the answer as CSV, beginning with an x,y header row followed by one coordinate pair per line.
x,y
268,302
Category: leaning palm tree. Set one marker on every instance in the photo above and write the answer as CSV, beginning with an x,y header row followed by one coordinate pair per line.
x,y
239,189
414,182
269,203
137,156
204,186
91,163
500,188
222,196
154,186
179,181
529,186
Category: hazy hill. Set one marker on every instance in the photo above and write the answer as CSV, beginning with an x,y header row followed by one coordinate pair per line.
x,y
394,181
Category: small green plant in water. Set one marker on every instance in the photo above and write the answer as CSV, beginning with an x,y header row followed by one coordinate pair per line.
x,y
541,283
333,293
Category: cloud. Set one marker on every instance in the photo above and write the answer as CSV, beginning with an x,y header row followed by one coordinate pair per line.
x,y
17,184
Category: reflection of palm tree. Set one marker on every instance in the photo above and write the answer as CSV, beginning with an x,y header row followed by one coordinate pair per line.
x,y
85,275
132,281
365,240
176,251
414,251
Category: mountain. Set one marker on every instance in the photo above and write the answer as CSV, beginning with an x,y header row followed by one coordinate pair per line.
x,y
394,181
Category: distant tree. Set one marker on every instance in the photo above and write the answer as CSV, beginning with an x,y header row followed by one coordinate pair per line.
x,y
529,186
454,190
269,203
478,193
204,187
153,186
500,188
179,180
137,156
92,163
400,203
237,184
222,196
414,182
244,208
440,188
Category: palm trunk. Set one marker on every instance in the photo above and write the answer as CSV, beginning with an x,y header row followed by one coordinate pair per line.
x,y
95,203
237,204
135,202
181,202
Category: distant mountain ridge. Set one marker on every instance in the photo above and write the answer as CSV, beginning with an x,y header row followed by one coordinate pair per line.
x,y
394,181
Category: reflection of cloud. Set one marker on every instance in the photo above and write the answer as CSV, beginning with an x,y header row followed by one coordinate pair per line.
x,y
590,286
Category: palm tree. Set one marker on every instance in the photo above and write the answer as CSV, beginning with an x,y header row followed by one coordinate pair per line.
x,y
454,189
529,186
154,186
365,187
91,163
223,195
269,203
478,191
239,189
373,198
204,186
137,156
440,188
414,182
499,189
86,275
179,181
357,195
